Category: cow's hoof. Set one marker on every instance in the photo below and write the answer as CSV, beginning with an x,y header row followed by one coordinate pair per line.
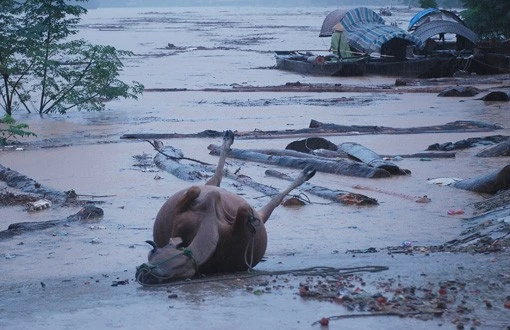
x,y
228,136
308,172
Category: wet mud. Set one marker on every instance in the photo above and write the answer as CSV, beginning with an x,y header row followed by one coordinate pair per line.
x,y
398,264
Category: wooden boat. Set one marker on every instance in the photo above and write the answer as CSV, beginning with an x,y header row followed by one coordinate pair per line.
x,y
419,67
329,65
310,64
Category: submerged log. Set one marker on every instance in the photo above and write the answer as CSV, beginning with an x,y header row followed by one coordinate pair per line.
x,y
19,181
456,126
500,149
312,143
490,183
196,172
468,143
371,158
497,96
317,127
340,166
187,172
88,212
339,196
341,154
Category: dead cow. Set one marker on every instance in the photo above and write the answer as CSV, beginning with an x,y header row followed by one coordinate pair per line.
x,y
207,229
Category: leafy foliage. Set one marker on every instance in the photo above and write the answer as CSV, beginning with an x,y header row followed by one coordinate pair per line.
x,y
10,130
489,18
428,4
43,71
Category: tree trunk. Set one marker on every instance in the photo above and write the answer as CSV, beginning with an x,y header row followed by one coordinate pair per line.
x,y
339,166
87,212
321,129
338,196
498,150
19,181
370,158
8,96
490,183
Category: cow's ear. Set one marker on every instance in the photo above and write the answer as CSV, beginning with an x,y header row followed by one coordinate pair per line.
x,y
175,241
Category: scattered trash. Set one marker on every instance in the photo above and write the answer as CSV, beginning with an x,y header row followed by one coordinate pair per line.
x,y
19,149
38,205
455,212
423,199
443,181
95,241
368,250
9,256
407,244
324,322
122,282
426,159
293,201
97,227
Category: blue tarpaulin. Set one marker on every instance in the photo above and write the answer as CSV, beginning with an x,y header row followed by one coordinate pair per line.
x,y
370,38
432,14
365,29
420,15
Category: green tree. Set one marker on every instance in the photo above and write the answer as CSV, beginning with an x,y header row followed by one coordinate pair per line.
x,y
428,4
13,66
48,72
489,18
10,130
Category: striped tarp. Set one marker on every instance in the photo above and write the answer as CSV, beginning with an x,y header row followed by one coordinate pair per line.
x,y
430,29
369,38
349,17
366,31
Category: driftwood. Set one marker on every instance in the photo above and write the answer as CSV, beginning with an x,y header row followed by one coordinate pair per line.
x,y
340,166
456,126
195,172
19,181
310,144
86,213
498,96
371,158
167,160
500,149
317,127
339,196
340,154
490,183
468,143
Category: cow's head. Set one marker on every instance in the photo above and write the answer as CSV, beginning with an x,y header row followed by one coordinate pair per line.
x,y
166,263
175,261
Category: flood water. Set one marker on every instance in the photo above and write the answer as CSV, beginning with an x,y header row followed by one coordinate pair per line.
x,y
221,48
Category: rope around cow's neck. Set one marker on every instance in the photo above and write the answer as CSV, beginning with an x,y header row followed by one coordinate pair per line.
x,y
146,269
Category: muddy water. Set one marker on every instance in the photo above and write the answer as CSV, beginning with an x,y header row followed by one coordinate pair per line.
x,y
77,263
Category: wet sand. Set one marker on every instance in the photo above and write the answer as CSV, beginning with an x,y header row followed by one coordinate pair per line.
x,y
62,278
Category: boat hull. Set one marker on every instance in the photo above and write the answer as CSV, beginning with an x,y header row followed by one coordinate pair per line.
x,y
322,67
423,67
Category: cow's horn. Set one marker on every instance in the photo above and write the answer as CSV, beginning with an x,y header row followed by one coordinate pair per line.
x,y
151,243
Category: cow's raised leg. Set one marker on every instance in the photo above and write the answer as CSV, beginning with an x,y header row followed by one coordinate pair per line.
x,y
228,140
304,176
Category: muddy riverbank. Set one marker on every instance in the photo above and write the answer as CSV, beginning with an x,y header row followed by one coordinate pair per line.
x,y
397,264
